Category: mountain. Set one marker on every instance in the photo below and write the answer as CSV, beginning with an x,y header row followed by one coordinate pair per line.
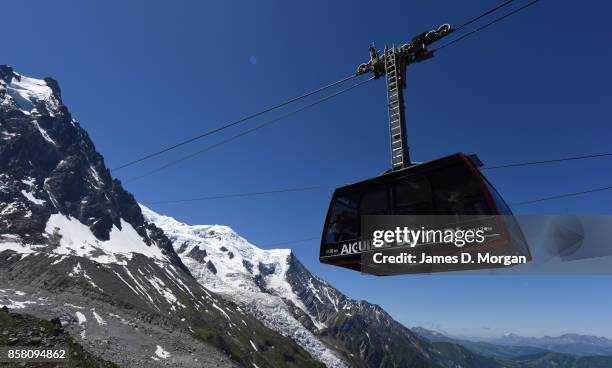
x,y
489,355
465,358
568,343
74,246
480,347
274,286
557,360
513,345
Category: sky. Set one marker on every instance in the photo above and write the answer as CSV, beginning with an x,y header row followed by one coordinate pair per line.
x,y
142,75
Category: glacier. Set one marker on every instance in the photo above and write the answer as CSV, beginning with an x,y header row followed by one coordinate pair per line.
x,y
253,278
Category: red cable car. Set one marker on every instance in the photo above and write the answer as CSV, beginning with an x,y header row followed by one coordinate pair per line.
x,y
449,192
444,196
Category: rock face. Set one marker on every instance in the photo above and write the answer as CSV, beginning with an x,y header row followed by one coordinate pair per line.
x,y
276,288
48,165
74,245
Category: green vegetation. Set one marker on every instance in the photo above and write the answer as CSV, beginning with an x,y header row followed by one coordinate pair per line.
x,y
24,330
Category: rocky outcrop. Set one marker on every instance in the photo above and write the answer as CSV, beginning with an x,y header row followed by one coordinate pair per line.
x,y
48,164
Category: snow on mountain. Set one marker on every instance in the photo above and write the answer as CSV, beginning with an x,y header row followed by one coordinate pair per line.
x,y
57,194
277,289
76,239
28,93
254,278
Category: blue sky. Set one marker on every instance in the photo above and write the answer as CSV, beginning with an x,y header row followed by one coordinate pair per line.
x,y
140,75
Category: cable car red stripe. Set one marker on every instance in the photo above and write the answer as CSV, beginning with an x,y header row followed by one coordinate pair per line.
x,y
492,203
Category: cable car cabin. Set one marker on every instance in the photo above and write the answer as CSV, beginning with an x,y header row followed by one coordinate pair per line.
x,y
447,196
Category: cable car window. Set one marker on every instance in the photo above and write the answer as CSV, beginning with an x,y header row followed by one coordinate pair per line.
x,y
344,220
374,202
412,196
457,191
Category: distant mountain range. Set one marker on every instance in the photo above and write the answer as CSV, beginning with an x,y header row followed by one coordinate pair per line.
x,y
479,347
512,345
568,343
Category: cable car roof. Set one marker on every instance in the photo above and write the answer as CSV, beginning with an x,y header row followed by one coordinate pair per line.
x,y
416,168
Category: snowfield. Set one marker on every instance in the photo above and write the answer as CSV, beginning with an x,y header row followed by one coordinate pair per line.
x,y
78,240
28,92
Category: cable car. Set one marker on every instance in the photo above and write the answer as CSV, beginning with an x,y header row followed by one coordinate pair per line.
x,y
449,192
444,196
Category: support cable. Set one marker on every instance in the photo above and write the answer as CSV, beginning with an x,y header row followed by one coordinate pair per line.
x,y
486,25
260,126
241,120
482,15
311,188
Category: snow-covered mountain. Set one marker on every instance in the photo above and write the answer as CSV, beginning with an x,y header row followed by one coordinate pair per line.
x,y
74,245
277,289
55,187
254,278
